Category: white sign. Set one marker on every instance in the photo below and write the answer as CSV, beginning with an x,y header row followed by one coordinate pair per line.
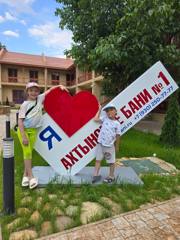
x,y
68,155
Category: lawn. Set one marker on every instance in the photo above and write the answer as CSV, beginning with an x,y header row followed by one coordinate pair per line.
x,y
124,197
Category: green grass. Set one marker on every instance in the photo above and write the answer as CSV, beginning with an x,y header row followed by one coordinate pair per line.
x,y
139,144
133,144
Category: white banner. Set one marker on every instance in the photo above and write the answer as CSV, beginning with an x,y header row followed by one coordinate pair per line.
x,y
68,155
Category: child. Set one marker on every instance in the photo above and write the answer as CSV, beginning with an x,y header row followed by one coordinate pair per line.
x,y
30,116
109,134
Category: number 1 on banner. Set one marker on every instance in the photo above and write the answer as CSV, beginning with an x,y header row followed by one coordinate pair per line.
x,y
163,77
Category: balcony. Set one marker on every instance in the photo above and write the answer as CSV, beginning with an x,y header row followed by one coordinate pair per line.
x,y
33,80
12,79
21,80
70,83
55,82
85,76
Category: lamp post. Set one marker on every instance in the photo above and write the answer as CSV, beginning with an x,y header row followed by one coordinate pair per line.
x,y
8,128
8,172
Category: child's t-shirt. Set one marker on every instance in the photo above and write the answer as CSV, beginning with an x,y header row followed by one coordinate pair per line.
x,y
110,128
34,117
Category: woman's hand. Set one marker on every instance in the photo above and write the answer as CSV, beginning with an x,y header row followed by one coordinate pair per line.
x,y
63,88
25,141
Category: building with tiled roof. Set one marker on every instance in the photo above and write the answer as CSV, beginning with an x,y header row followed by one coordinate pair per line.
x,y
17,69
35,60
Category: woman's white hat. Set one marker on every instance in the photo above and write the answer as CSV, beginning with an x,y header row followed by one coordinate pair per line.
x,y
32,84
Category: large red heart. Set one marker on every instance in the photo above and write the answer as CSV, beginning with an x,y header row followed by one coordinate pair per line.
x,y
70,112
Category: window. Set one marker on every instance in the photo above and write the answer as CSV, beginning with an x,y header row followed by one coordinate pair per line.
x,y
12,74
33,75
70,79
55,78
18,96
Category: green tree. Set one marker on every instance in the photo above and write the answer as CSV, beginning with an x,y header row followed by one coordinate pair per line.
x,y
171,129
120,39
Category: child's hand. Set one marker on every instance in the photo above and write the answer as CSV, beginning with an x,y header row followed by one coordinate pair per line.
x,y
63,88
100,107
25,141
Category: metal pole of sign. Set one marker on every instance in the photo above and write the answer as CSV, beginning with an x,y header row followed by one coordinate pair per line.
x,y
8,176
17,116
8,128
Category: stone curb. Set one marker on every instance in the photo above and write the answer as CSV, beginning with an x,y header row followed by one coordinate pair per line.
x,y
105,220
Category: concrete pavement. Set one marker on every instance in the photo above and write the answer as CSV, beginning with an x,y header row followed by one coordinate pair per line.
x,y
155,222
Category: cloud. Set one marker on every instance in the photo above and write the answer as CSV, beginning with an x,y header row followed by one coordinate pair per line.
x,y
10,17
19,5
50,36
7,17
1,19
22,22
10,33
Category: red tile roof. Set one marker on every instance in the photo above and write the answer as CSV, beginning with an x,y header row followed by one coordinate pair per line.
x,y
35,60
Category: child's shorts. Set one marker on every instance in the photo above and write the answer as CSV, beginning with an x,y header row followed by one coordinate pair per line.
x,y
31,134
107,153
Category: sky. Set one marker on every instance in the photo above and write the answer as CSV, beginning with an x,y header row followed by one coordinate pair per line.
x,y
30,26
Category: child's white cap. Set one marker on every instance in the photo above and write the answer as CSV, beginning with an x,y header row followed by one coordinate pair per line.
x,y
110,105
32,84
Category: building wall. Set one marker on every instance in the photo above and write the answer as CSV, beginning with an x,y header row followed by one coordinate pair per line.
x,y
63,78
84,81
23,74
61,73
7,93
6,87
40,74
88,81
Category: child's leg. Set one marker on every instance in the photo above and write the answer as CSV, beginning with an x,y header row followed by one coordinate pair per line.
x,y
109,154
99,156
26,153
32,134
28,167
97,167
111,170
27,150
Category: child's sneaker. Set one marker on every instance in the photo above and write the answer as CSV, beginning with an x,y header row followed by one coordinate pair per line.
x,y
109,180
96,179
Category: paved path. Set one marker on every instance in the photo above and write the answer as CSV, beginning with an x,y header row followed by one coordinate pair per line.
x,y
156,222
3,125
149,126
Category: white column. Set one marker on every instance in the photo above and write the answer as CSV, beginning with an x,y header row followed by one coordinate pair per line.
x,y
0,83
76,83
45,79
